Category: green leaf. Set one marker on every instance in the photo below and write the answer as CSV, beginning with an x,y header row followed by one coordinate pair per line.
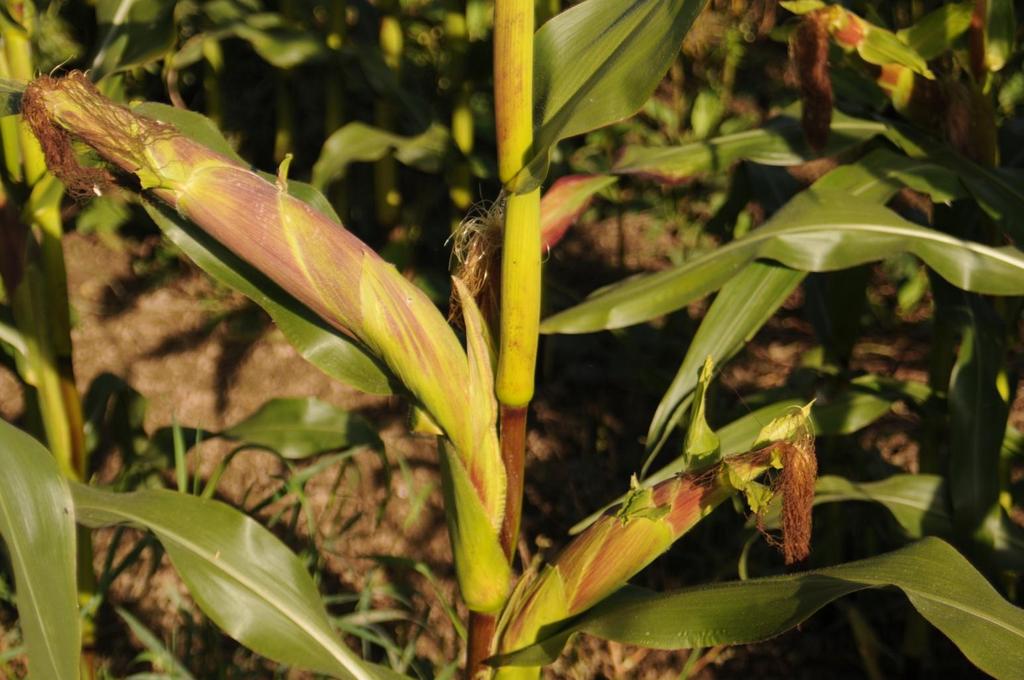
x,y
300,428
597,63
816,231
746,303
240,574
942,585
333,352
135,32
37,524
10,96
358,142
978,412
936,32
917,502
780,141
156,653
564,202
881,173
1000,30
278,42
741,308
999,191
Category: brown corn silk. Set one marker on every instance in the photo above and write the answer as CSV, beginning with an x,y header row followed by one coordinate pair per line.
x,y
809,52
314,259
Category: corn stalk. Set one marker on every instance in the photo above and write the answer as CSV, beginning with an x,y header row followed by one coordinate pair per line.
x,y
35,281
388,197
519,318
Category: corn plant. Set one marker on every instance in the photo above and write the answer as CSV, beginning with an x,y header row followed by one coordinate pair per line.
x,y
354,315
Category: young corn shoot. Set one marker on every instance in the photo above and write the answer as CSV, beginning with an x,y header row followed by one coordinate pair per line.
x,y
326,268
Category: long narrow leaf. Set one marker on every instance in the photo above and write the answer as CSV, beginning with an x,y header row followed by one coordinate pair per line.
x,y
938,581
37,524
977,411
135,32
564,202
742,307
780,141
746,303
597,63
241,575
300,428
998,191
816,231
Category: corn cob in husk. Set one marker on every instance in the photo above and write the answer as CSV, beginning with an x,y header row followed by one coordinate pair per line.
x,y
628,538
326,268
962,114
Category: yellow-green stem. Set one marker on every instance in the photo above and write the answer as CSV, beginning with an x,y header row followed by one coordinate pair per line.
x,y
18,51
460,179
520,271
9,134
334,106
214,57
521,251
385,171
520,299
40,301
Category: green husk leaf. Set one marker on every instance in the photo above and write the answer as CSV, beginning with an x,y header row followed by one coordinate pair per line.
x,y
701,445
881,47
483,573
639,502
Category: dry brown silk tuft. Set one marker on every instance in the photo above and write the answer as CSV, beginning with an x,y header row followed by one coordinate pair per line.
x,y
109,140
799,472
81,182
809,52
796,484
476,247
